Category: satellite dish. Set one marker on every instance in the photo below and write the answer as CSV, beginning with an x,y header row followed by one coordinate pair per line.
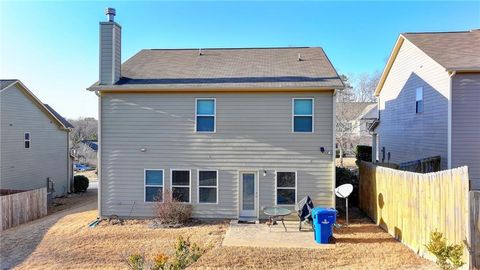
x,y
344,191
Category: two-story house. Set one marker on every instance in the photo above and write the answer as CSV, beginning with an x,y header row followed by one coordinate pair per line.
x,y
34,143
229,131
429,100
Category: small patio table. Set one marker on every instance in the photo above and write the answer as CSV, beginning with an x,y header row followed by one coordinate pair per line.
x,y
276,213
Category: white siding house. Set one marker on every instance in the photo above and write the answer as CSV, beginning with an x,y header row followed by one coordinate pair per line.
x,y
429,102
230,131
34,142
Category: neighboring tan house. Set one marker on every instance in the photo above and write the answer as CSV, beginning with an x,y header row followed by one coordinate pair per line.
x,y
230,131
353,120
429,100
34,142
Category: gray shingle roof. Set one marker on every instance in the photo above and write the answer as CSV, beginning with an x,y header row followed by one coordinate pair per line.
x,y
452,50
5,83
230,68
59,117
350,111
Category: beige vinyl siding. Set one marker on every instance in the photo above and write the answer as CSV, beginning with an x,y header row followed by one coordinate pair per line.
x,y
47,156
253,133
466,125
404,133
110,52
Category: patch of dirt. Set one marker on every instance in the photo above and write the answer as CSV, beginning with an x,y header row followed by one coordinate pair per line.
x,y
72,200
91,175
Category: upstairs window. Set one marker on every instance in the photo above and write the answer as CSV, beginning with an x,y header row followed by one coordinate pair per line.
x,y
181,185
302,115
207,186
286,188
26,139
153,185
205,115
419,100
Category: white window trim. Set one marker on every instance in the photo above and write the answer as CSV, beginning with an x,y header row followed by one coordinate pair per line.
x,y
422,100
312,115
214,114
189,183
296,187
198,186
29,140
145,185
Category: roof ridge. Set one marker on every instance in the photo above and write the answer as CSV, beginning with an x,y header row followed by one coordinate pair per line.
x,y
232,48
440,32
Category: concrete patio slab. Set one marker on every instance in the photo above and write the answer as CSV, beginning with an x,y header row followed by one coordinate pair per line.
x,y
259,235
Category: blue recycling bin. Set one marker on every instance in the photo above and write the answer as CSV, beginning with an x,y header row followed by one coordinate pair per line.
x,y
323,220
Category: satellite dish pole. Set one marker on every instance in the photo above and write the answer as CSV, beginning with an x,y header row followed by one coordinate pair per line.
x,y
344,191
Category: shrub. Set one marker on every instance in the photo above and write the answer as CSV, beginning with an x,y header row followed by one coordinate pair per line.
x,y
136,261
347,176
171,211
80,183
364,152
448,256
186,253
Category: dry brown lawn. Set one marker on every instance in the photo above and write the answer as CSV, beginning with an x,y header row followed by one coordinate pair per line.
x,y
91,175
348,162
63,241
362,245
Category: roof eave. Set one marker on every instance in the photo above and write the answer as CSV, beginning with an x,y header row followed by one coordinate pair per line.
x,y
154,88
389,64
463,69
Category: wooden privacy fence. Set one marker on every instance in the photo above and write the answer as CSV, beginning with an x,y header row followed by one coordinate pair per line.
x,y
410,205
19,208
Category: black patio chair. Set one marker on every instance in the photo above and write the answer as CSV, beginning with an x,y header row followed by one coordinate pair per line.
x,y
304,211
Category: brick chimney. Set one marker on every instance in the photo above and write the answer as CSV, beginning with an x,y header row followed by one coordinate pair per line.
x,y
110,49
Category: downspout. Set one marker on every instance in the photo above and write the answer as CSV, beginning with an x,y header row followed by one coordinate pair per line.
x,y
334,151
449,132
99,154
69,165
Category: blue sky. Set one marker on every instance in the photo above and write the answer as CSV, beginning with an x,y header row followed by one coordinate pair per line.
x,y
53,46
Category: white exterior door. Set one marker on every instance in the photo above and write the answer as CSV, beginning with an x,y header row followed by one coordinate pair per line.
x,y
248,194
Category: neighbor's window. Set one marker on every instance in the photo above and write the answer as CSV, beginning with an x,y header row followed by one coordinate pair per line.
x,y
302,115
286,188
26,138
205,115
181,185
419,100
207,186
153,185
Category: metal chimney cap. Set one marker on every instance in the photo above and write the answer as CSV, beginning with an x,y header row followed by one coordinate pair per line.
x,y
110,12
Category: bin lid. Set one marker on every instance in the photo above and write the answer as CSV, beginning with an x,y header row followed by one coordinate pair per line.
x,y
323,211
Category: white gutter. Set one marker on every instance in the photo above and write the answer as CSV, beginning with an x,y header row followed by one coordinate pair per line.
x,y
449,132
99,154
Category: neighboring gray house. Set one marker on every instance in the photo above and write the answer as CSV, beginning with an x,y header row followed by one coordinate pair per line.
x,y
34,142
429,100
353,120
230,131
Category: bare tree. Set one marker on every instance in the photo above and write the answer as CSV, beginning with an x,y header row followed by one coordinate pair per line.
x,y
361,90
365,87
344,127
86,128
